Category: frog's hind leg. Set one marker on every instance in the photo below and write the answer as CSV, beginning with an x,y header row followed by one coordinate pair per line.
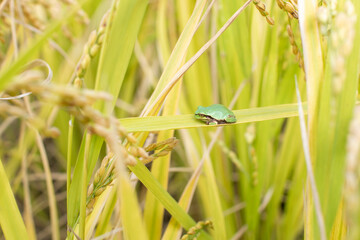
x,y
212,122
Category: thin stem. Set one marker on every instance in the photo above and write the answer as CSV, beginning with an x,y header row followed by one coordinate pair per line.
x,y
49,184
28,215
68,161
84,188
3,4
13,28
310,172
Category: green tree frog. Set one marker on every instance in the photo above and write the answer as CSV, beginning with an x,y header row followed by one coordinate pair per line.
x,y
215,114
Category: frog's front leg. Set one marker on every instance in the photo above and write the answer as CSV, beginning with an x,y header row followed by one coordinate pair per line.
x,y
212,122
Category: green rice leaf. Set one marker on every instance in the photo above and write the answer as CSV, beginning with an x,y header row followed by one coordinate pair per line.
x,y
150,124
11,222
119,41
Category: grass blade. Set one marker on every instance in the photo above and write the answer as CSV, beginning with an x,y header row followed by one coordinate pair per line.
x,y
143,124
11,221
122,31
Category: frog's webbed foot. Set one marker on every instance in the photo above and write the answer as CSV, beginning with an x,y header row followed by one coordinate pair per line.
x,y
212,122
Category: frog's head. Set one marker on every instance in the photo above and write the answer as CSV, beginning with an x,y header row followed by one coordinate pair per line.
x,y
200,113
201,117
199,110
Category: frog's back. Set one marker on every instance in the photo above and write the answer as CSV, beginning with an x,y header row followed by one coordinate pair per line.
x,y
219,111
